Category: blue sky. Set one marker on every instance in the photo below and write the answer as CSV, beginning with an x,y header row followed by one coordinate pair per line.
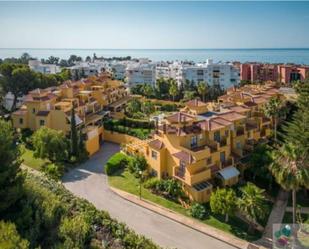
x,y
154,24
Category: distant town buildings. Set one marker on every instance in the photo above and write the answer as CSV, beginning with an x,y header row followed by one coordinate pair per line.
x,y
223,74
39,67
257,72
290,73
141,73
86,69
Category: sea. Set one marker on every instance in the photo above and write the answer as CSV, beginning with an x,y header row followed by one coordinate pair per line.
x,y
269,55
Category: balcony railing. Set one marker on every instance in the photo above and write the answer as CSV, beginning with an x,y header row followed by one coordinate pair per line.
x,y
180,173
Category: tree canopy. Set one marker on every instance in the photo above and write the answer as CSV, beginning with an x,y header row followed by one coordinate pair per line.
x,y
11,179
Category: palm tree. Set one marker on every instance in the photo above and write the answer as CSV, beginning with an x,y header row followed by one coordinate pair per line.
x,y
271,110
291,170
148,90
252,202
202,89
173,91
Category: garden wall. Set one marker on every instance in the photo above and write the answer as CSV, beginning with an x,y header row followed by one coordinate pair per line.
x,y
119,138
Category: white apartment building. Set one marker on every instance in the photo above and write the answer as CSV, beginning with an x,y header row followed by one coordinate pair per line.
x,y
39,67
141,73
86,69
119,70
223,74
169,70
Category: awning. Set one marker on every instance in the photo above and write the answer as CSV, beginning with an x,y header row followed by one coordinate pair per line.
x,y
228,173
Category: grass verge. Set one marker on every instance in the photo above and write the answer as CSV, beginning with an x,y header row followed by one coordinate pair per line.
x,y
125,181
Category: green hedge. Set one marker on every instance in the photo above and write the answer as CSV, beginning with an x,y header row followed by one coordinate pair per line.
x,y
47,230
116,162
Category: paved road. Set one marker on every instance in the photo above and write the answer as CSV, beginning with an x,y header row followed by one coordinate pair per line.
x,y
89,182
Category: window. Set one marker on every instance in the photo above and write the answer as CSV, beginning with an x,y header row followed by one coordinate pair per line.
x,y
193,141
21,121
200,136
154,154
33,110
42,122
208,160
238,145
227,133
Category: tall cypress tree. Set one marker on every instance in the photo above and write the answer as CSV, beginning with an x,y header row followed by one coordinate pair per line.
x,y
74,137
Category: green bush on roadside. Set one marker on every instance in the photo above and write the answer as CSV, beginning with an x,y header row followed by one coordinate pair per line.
x,y
198,211
116,162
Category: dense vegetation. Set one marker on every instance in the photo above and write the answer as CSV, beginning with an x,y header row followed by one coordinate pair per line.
x,y
19,79
133,127
38,212
167,89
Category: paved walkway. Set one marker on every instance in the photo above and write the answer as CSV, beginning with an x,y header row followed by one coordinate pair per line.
x,y
275,217
88,181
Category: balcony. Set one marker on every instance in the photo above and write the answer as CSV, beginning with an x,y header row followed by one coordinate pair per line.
x,y
201,175
226,163
199,152
214,146
223,141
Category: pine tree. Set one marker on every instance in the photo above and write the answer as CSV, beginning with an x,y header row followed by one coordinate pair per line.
x,y
11,179
73,138
297,131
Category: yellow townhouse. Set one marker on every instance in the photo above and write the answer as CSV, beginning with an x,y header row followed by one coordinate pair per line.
x,y
91,100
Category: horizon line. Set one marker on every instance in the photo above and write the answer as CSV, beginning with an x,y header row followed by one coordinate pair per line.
x,y
159,48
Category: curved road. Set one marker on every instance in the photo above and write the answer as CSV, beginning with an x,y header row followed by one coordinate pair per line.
x,y
89,182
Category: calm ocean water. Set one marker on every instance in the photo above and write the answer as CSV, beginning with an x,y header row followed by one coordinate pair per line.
x,y
300,56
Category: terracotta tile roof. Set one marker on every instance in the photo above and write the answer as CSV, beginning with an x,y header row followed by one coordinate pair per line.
x,y
259,100
42,113
195,102
222,121
156,144
179,117
184,156
239,109
210,125
231,116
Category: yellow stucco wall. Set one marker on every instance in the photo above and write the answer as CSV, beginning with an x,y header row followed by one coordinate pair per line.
x,y
92,145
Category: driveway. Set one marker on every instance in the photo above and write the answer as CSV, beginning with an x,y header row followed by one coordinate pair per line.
x,y
89,182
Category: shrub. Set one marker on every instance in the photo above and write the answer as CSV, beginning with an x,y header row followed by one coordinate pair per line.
x,y
198,211
224,202
55,171
173,188
152,183
9,237
75,231
137,164
169,108
115,163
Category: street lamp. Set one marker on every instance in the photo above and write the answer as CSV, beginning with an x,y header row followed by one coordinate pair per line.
x,y
140,184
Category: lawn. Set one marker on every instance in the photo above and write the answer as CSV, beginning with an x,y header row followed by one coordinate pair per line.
x,y
31,161
125,181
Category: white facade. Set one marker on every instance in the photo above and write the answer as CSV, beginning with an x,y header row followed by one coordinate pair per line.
x,y
222,74
87,69
39,67
141,74
8,101
119,70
